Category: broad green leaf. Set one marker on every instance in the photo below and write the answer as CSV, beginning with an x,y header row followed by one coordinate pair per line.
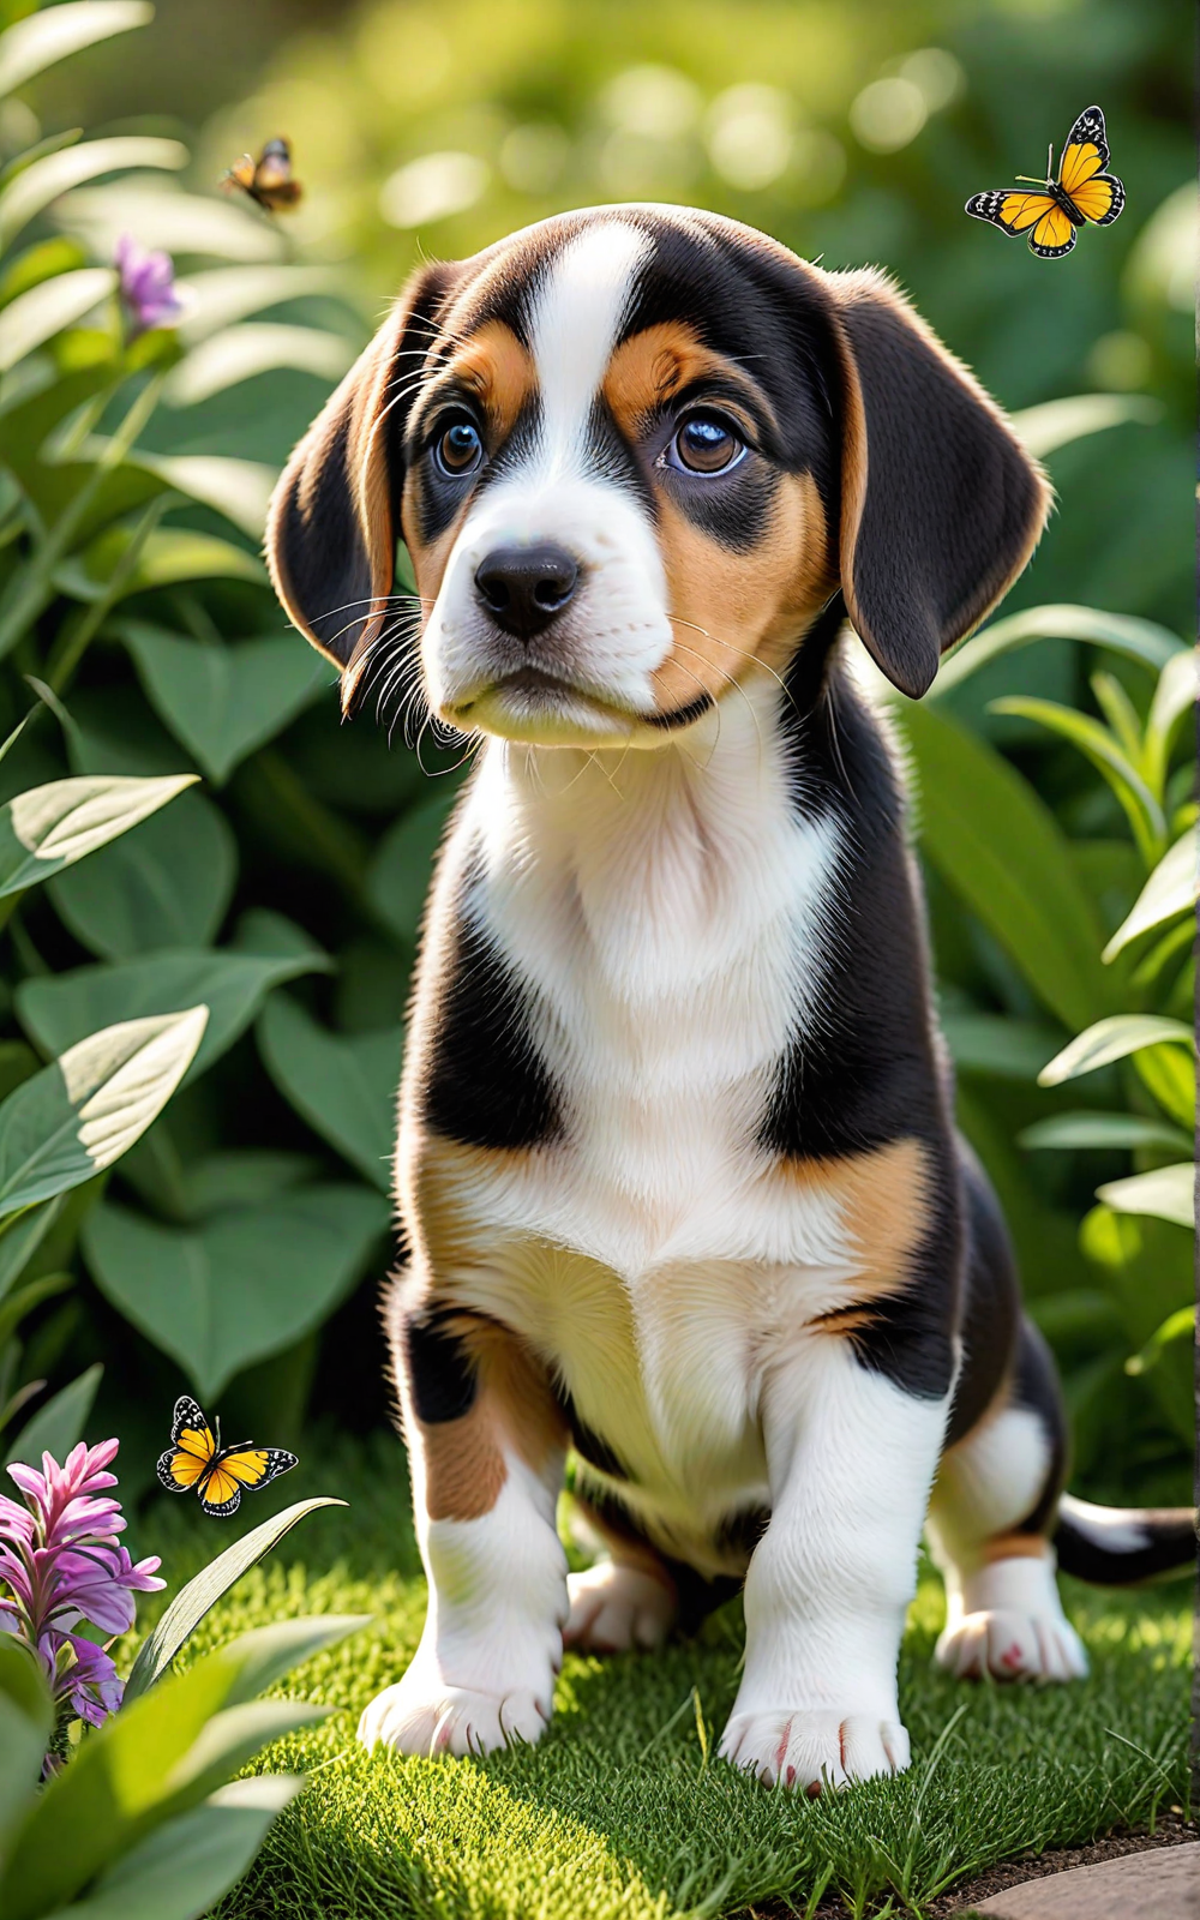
x,y
239,489
1174,695
20,1237
35,317
345,1086
135,1771
225,295
168,556
1075,1311
58,1426
1056,423
997,1044
1095,741
161,216
182,1869
26,1721
1168,1193
57,1010
398,880
270,1652
81,1113
1103,1130
1112,1039
43,39
190,1605
242,352
232,1738
1141,640
244,1177
241,1285
1170,890
1169,1073
1180,1325
47,179
223,701
48,828
1002,851
168,884
26,1298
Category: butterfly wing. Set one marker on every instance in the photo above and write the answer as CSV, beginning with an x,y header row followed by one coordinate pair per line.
x,y
1053,235
1096,195
1010,208
192,1450
240,174
238,1467
274,187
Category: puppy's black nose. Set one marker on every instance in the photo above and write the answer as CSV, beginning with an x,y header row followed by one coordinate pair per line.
x,y
525,588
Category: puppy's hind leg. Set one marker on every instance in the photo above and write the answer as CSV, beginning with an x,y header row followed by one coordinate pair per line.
x,y
993,1509
626,1600
486,1442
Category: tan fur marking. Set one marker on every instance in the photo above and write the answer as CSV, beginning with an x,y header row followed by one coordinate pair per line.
x,y
882,1198
1016,1546
647,369
729,610
494,366
514,1386
463,1466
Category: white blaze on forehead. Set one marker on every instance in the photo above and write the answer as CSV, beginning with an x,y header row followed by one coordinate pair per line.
x,y
577,318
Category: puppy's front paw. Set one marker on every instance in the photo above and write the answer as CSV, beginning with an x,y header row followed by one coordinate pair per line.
x,y
423,1714
811,1750
614,1608
1011,1645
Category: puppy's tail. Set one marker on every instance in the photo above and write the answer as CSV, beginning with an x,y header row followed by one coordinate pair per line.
x,y
1120,1546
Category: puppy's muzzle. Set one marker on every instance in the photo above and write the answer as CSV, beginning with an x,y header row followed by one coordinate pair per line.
x,y
525,589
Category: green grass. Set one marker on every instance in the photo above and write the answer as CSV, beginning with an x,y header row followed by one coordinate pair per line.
x,y
623,1812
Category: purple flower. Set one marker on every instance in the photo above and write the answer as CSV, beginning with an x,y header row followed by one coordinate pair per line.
x,y
62,1567
147,286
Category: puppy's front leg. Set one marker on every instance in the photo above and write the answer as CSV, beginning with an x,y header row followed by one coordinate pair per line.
x,y
851,1458
486,1441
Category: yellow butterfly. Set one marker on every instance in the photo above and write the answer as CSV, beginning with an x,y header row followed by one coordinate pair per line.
x,y
196,1462
1053,215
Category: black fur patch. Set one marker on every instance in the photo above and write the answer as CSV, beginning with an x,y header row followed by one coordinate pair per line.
x,y
991,1304
1035,1385
484,1083
441,1375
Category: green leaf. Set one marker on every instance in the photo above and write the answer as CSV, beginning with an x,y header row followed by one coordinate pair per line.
x,y
398,880
81,1113
1112,1039
240,489
182,1869
244,1177
26,1298
183,223
20,1237
1103,1130
1057,423
1141,640
242,352
1180,1325
224,701
48,828
168,884
1148,1265
240,1286
1002,851
43,39
26,1721
1169,1193
232,1738
224,295
1174,696
270,1652
35,317
168,556
1170,890
998,1044
55,1011
1145,815
46,179
345,1087
1074,1312
191,1604
143,1766
1169,1072
58,1426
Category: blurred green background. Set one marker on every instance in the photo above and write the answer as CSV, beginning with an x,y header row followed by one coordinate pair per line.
x,y
852,132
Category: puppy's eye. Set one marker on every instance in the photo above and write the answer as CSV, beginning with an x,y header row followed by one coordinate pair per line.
x,y
706,443
459,449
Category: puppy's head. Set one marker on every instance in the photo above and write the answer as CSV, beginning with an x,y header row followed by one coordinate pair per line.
x,y
632,453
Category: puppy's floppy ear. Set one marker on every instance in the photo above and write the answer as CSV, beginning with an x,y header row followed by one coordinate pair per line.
x,y
941,505
334,515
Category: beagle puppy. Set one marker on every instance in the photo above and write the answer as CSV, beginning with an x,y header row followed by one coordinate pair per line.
x,y
677,1167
